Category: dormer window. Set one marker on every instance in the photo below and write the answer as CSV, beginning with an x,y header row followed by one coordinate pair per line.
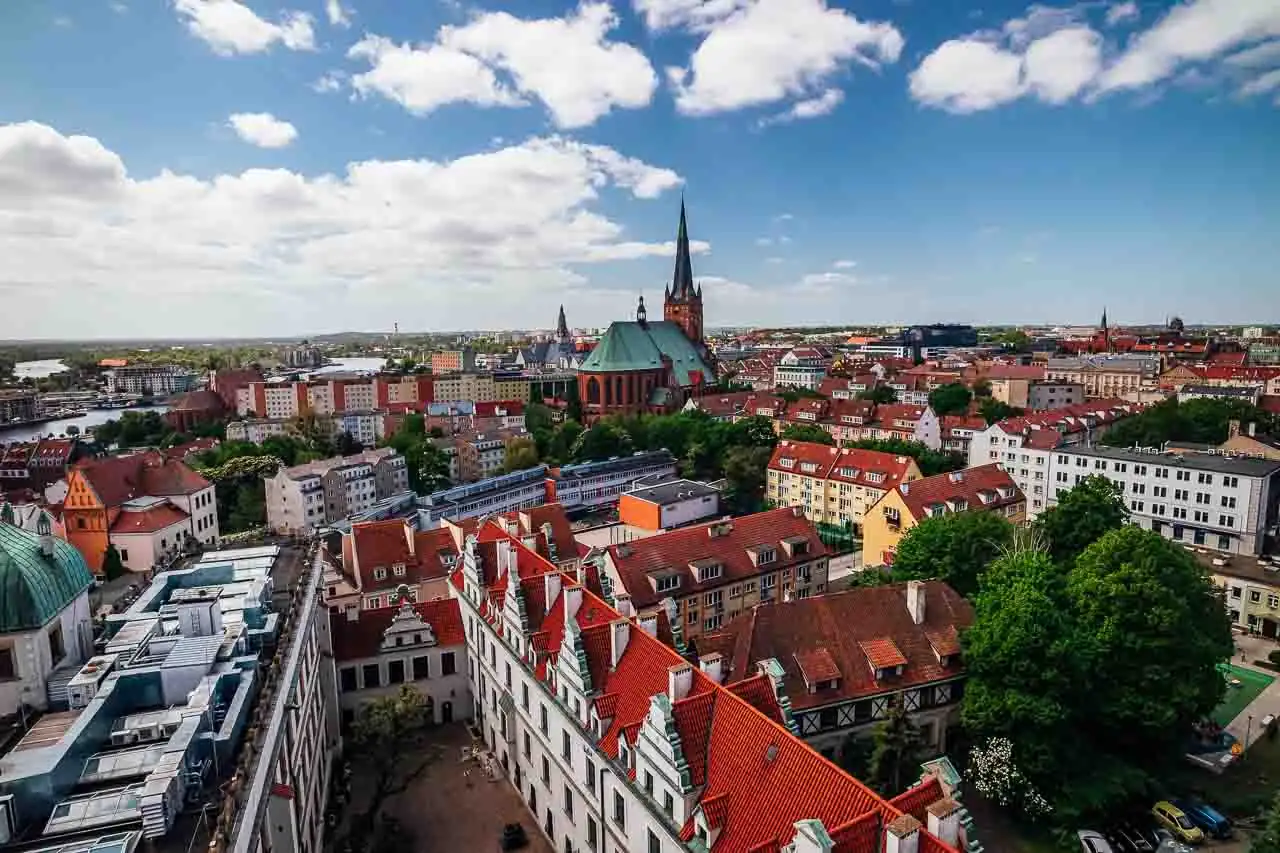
x,y
1006,492
787,462
958,504
707,570
765,556
398,570
849,473
380,573
808,467
875,477
666,583
986,496
936,510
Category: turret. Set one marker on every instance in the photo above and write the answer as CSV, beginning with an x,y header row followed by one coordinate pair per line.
x,y
44,529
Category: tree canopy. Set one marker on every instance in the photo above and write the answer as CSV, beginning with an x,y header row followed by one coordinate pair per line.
x,y
992,410
1203,421
956,548
879,394
1083,514
807,432
894,762
950,399
1267,839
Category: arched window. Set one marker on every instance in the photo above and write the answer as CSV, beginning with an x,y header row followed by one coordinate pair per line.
x,y
593,390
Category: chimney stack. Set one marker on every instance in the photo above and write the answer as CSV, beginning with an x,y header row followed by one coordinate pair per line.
x,y
619,633
622,604
1252,428
572,601
712,666
504,546
902,835
551,588
915,601
944,821
679,681
649,624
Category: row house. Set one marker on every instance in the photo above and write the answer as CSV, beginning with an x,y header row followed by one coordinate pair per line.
x,y
848,387
1209,500
958,432
756,371
475,456
331,395
1268,378
907,422
1105,376
1250,588
378,652
382,563
735,406
316,494
615,743
912,390
832,485
35,465
847,656
1023,445
712,572
987,488
848,420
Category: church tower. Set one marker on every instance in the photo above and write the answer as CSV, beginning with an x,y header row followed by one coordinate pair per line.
x,y
683,302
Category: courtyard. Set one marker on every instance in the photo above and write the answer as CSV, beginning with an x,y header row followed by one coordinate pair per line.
x,y
455,806
1243,686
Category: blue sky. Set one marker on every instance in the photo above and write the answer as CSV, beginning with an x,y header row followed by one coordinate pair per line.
x,y
250,167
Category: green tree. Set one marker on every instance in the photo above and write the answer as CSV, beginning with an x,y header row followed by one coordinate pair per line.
x,y
929,461
981,389
605,439
950,399
1202,421
807,432
346,444
879,394
573,403
754,431
744,473
895,751
1267,839
250,509
993,410
112,565
855,756
1092,507
956,548
522,453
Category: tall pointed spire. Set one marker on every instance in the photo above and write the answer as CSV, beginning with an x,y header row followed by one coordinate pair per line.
x,y
682,281
562,326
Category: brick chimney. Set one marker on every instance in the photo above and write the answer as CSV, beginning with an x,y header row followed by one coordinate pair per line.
x,y
915,601
902,835
712,666
622,604
551,587
679,681
619,634
944,821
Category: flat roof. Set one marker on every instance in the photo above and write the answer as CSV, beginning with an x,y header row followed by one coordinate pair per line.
x,y
673,491
1262,569
1243,466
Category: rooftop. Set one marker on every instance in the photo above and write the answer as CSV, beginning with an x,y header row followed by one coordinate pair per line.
x,y
983,487
672,492
1219,462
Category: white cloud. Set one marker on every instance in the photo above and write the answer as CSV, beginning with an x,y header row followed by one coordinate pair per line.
x,y
330,82
334,251
825,282
764,241
568,64
230,27
1059,66
844,265
338,15
262,129
1197,31
822,105
1122,12
1263,56
784,217
774,260
694,14
118,7
770,50
1040,21
1262,84
62,21
967,75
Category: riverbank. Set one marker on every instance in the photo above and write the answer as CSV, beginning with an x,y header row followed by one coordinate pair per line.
x,y
84,422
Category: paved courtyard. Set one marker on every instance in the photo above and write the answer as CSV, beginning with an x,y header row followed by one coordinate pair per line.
x,y
455,807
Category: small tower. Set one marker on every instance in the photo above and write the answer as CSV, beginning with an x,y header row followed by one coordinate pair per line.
x,y
683,303
44,529
1106,332
562,327
642,316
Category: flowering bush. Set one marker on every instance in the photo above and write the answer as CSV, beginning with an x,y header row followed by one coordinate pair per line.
x,y
995,775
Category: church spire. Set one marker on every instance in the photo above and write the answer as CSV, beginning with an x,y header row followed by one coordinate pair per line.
x,y
562,326
682,281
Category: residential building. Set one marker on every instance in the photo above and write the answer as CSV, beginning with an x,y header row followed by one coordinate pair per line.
x,y
423,645
664,505
381,563
594,484
1210,500
639,366
847,656
907,422
987,488
1106,376
505,493
227,384
258,430
18,405
1250,588
848,387
832,485
1023,445
1239,393
1250,442
1046,395
717,570
737,405
848,420
309,496
616,743
484,455
958,432
145,379
451,361
1179,375
35,464
145,504
367,428
1010,383
45,625
498,414
802,367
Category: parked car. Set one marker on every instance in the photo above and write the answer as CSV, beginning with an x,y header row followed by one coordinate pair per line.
x,y
1176,821
1127,838
1094,842
1166,843
1205,816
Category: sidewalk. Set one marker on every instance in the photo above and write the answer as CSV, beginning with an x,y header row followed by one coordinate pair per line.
x,y
1247,725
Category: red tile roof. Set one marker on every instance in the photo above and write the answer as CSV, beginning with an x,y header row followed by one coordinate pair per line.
x,y
674,551
499,408
915,801
150,520
817,665
847,465
362,638
206,402
841,623
1012,371
182,451
47,449
529,522
426,554
1259,375
890,412
882,653
1233,358
117,479
970,486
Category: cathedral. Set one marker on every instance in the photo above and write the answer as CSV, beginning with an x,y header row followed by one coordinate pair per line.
x,y
642,366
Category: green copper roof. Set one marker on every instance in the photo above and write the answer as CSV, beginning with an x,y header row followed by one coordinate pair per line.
x,y
33,587
631,346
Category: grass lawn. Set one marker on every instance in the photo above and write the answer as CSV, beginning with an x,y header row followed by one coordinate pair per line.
x,y
1237,698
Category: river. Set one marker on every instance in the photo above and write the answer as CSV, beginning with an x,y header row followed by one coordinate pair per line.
x,y
90,419
38,369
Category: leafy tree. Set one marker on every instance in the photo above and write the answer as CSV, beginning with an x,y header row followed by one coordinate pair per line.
x,y
522,453
1202,421
982,389
1267,840
879,394
792,395
895,752
950,399
993,410
250,509
112,565
1092,507
807,432
744,473
605,439
573,403
929,461
855,756
956,547
754,431
345,444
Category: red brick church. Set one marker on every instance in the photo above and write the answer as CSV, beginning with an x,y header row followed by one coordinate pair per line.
x,y
642,366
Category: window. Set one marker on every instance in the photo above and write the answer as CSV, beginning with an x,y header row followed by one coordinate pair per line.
x,y
347,675
507,677
593,833
668,803
648,783
542,718
668,583
568,802
619,810
1273,600
546,771
371,674
57,649
1255,596
1207,479
527,745
1227,520
447,665
566,745
655,846
421,668
827,718
1236,591
1224,543
1231,482
524,695
395,672
591,775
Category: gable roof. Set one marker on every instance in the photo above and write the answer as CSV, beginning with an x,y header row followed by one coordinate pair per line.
x,y
150,519
362,637
847,465
426,554
969,485
628,346
119,479
674,551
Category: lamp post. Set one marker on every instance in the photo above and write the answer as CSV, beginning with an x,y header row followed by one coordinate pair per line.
x,y
1248,728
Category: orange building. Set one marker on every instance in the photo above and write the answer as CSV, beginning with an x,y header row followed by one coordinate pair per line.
x,y
674,503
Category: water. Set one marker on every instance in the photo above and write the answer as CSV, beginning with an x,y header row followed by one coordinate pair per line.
x,y
38,369
359,364
58,428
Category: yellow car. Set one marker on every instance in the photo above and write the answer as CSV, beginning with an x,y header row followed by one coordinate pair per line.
x,y
1176,821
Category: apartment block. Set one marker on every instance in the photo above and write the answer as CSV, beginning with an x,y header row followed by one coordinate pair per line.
x,y
1250,588
1106,376
18,405
306,497
158,379
832,485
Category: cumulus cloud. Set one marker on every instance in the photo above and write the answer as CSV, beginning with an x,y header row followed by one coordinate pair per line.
x,y
767,51
844,265
1121,13
1262,84
568,64
307,251
330,82
338,15
693,14
1263,56
822,105
262,129
230,27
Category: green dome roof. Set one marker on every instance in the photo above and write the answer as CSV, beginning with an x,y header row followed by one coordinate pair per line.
x,y
34,587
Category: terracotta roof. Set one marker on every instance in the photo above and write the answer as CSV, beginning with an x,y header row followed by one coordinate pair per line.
x,y
426,554
1236,359
817,665
1012,371
53,448
499,408
197,401
969,486
862,412
1240,374
182,451
807,411
150,520
915,801
117,479
362,638
673,552
899,411
849,626
529,523
951,422
847,465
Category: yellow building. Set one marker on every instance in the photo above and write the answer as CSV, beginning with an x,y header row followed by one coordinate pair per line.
x,y
833,485
1251,589
481,387
987,488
